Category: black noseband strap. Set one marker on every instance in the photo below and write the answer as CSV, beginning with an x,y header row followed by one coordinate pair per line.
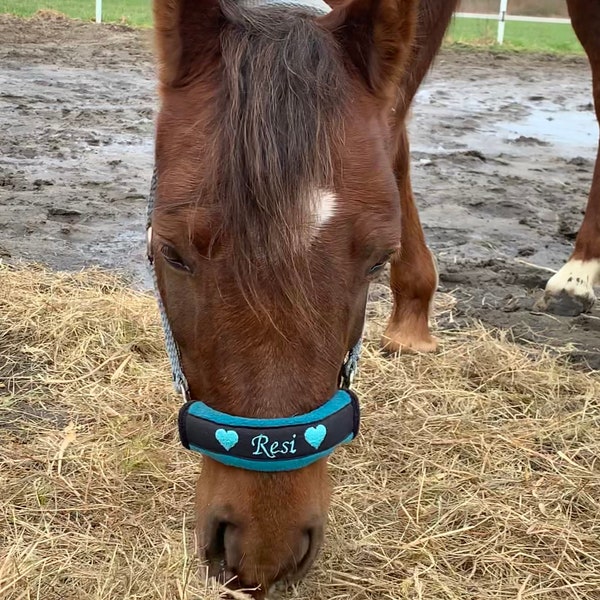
x,y
270,445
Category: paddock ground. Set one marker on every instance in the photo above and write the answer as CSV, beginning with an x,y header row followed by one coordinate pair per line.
x,y
495,497
503,151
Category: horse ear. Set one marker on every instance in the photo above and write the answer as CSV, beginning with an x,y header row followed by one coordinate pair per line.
x,y
186,37
377,36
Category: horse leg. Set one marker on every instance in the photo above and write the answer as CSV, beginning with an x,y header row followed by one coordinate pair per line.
x,y
571,290
413,273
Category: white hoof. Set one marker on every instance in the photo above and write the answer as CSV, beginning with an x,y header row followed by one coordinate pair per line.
x,y
571,291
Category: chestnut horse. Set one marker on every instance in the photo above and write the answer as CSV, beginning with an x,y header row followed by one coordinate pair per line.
x,y
276,204
282,169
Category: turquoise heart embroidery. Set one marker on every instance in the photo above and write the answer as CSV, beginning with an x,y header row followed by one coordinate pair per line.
x,y
315,435
227,438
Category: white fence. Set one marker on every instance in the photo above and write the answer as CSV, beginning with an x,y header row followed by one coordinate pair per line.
x,y
502,16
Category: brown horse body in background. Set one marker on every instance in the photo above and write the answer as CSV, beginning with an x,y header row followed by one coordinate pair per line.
x,y
413,273
283,186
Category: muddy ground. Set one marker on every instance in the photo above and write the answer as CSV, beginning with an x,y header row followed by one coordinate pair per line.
x,y
503,151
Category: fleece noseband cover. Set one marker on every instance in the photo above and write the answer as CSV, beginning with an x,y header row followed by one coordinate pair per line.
x,y
270,445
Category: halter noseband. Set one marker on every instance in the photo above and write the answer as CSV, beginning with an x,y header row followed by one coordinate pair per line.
x,y
267,445
270,445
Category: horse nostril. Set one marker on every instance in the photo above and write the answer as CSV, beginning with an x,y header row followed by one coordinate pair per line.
x,y
309,547
305,544
215,549
231,545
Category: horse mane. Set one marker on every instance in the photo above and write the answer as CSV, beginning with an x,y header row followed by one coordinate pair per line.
x,y
278,122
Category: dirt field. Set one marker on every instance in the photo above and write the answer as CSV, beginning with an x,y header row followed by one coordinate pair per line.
x,y
503,150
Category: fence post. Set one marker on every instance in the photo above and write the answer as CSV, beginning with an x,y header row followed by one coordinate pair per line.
x,y
98,11
502,20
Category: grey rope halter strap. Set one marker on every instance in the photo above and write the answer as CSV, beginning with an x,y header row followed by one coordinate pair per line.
x,y
314,6
350,366
180,382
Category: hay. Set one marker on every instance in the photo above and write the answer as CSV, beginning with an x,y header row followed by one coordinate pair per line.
x,y
476,475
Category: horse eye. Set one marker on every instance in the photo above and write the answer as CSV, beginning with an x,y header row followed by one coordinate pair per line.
x,y
379,265
172,257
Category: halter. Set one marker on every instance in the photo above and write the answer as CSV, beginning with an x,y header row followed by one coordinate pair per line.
x,y
267,445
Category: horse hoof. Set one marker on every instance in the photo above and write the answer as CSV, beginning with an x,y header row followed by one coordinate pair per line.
x,y
564,304
570,292
405,344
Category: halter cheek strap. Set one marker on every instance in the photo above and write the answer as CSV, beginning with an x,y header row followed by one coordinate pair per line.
x,y
270,445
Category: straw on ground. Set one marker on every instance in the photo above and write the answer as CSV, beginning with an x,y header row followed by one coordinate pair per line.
x,y
476,474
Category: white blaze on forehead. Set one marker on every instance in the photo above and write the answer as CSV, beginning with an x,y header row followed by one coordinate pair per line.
x,y
577,278
324,206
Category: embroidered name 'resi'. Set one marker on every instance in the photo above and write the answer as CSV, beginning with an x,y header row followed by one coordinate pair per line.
x,y
270,445
263,446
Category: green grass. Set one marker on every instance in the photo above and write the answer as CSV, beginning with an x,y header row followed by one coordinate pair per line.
x,y
533,37
130,12
552,38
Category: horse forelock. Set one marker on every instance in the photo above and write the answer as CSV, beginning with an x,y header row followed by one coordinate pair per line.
x,y
278,123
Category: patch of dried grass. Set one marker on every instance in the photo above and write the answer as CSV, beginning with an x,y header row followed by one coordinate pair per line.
x,y
50,15
475,475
